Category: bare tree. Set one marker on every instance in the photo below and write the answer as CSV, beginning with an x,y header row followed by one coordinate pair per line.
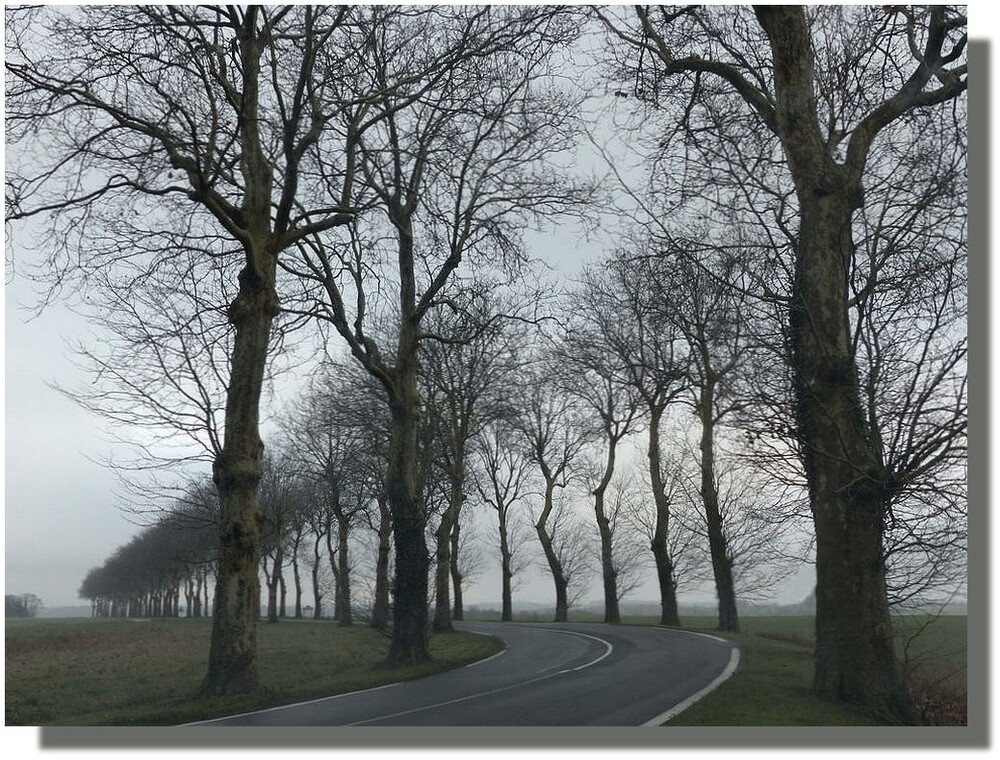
x,y
127,119
594,373
652,356
456,168
707,312
552,427
466,362
503,478
826,83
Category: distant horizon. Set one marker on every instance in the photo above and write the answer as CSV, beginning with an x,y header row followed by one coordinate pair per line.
x,y
639,606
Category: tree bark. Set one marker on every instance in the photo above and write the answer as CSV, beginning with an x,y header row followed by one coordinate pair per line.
x,y
442,574
297,579
317,592
343,603
609,574
409,628
551,557
232,665
458,607
275,582
722,566
669,614
380,608
855,658
506,574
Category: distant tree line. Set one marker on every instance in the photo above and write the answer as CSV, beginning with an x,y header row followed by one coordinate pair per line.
x,y
168,565
21,605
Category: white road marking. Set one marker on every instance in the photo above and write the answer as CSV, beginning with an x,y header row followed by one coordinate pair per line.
x,y
295,704
734,661
608,650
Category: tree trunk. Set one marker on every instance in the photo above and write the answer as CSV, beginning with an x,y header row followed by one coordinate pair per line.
x,y
457,607
608,572
197,594
345,615
442,570
722,566
232,663
507,602
669,614
409,627
552,558
317,591
275,583
297,578
271,581
380,608
855,659
282,594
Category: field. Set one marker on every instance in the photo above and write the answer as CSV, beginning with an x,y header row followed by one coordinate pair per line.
x,y
143,672
772,686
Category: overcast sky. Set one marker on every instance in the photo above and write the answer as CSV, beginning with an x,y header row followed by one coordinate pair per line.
x,y
63,507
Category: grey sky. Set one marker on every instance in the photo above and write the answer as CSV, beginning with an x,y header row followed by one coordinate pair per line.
x,y
63,515
60,515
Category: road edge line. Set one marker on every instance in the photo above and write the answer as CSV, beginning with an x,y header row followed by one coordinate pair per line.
x,y
673,712
277,708
492,656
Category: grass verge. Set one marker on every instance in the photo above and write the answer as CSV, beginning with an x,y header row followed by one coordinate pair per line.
x,y
131,672
772,686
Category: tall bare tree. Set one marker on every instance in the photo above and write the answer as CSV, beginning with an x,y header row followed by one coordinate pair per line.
x,y
653,358
133,126
467,358
552,427
503,478
457,160
595,374
829,84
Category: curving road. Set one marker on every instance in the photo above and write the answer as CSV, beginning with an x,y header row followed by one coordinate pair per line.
x,y
550,674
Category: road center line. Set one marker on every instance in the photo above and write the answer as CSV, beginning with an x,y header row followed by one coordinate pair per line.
x,y
608,650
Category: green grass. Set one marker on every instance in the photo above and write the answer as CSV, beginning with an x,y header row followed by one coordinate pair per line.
x,y
772,687
125,672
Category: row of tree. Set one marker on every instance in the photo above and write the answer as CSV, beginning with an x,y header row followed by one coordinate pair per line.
x,y
21,605
210,179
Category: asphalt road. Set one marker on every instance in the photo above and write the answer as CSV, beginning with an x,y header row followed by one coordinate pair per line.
x,y
549,674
